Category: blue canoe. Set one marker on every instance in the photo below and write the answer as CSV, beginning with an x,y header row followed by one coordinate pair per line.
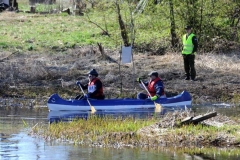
x,y
56,103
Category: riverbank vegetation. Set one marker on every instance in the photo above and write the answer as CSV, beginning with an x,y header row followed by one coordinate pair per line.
x,y
88,130
218,131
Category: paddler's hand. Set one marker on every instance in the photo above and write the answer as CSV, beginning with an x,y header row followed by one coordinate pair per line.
x,y
154,98
78,83
139,80
86,96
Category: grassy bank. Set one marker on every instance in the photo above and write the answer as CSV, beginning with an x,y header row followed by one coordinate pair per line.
x,y
220,131
36,32
95,130
58,32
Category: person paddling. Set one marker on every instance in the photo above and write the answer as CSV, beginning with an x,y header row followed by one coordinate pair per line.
x,y
94,86
154,85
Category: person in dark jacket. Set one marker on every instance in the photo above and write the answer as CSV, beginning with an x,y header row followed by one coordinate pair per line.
x,y
190,45
94,86
154,85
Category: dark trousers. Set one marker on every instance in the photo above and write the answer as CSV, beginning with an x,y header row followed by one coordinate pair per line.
x,y
189,65
142,96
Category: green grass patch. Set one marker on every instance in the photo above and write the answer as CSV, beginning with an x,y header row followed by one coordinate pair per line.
x,y
95,126
25,31
152,27
201,129
236,99
215,153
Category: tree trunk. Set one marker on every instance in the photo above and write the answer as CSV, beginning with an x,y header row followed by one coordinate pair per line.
x,y
124,33
14,4
174,39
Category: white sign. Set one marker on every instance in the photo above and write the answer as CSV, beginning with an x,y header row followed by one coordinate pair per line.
x,y
126,54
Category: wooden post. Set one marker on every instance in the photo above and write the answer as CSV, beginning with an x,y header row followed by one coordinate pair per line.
x,y
119,68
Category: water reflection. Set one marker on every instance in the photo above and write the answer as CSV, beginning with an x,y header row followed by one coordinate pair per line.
x,y
23,147
220,108
56,116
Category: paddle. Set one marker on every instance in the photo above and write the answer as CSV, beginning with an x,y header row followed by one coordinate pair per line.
x,y
93,110
158,106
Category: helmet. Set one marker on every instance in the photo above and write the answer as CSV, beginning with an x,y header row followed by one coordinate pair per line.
x,y
153,73
93,72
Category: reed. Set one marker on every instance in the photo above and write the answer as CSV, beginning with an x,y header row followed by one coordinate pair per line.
x,y
105,130
109,131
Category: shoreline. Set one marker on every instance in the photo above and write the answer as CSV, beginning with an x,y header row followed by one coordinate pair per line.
x,y
219,131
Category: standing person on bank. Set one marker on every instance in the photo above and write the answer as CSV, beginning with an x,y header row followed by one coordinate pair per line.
x,y
94,87
190,45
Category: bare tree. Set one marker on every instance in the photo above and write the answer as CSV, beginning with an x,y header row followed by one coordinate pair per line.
x,y
122,26
174,39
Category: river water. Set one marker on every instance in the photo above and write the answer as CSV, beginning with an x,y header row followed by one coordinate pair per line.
x,y
17,144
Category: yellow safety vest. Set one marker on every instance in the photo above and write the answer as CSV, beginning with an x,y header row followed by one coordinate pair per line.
x,y
187,44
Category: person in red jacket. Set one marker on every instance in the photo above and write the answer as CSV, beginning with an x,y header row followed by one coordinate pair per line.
x,y
154,85
94,86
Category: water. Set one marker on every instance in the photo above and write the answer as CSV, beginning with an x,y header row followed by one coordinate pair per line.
x,y
16,144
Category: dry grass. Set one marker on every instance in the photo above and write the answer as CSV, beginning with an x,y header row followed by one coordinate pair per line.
x,y
224,63
12,17
24,69
217,131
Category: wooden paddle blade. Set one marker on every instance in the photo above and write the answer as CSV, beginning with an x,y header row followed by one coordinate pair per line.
x,y
93,110
158,107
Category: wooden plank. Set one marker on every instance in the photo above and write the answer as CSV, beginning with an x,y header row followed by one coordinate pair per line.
x,y
200,118
197,119
186,120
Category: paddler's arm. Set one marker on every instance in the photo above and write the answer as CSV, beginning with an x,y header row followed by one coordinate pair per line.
x,y
159,88
84,86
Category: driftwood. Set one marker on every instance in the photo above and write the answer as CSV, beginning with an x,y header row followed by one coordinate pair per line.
x,y
197,119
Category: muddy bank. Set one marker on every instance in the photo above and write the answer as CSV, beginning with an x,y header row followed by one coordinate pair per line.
x,y
38,75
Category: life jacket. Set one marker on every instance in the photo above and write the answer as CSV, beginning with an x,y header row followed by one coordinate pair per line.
x,y
92,88
151,88
187,44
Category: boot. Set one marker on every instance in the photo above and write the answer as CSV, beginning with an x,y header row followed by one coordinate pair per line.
x,y
187,76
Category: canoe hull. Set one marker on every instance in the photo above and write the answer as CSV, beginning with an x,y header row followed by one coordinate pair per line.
x,y
56,103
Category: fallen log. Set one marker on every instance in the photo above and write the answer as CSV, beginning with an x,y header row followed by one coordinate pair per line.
x,y
197,119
